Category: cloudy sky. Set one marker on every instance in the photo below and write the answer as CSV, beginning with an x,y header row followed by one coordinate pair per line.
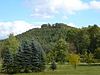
x,y
17,16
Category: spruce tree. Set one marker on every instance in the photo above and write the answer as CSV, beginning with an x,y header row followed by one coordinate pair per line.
x,y
38,57
23,58
9,49
7,65
19,59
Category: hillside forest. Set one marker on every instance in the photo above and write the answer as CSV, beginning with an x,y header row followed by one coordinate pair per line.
x,y
52,43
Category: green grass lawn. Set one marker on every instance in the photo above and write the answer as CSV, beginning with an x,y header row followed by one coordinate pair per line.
x,y
68,70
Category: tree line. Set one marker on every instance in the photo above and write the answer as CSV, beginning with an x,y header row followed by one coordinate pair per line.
x,y
79,39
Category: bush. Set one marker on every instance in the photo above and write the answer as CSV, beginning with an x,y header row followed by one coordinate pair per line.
x,y
53,65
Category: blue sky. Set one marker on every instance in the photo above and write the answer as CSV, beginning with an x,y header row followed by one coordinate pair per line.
x,y
17,16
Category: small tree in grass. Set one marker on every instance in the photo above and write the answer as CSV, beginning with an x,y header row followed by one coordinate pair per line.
x,y
53,65
74,59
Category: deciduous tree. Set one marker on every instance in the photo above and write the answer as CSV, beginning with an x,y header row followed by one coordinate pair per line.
x,y
74,59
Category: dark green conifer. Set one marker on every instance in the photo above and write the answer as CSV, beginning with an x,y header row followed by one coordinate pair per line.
x,y
23,58
38,57
7,65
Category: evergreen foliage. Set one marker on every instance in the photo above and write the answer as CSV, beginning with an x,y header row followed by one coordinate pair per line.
x,y
30,57
38,57
24,57
7,65
9,49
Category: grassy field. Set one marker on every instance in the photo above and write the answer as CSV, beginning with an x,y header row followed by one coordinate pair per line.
x,y
68,70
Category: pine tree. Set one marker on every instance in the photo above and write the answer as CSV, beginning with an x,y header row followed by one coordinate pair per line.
x,y
7,65
9,49
38,57
30,57
24,57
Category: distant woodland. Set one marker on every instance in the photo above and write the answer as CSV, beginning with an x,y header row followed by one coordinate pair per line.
x,y
78,39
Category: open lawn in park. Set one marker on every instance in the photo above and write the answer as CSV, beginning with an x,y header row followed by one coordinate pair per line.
x,y
68,70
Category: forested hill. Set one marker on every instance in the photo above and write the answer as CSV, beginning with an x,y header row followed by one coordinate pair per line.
x,y
87,38
48,34
78,39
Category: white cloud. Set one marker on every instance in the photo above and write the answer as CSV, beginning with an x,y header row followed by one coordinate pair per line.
x,y
71,24
48,9
15,27
95,4
53,8
68,5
